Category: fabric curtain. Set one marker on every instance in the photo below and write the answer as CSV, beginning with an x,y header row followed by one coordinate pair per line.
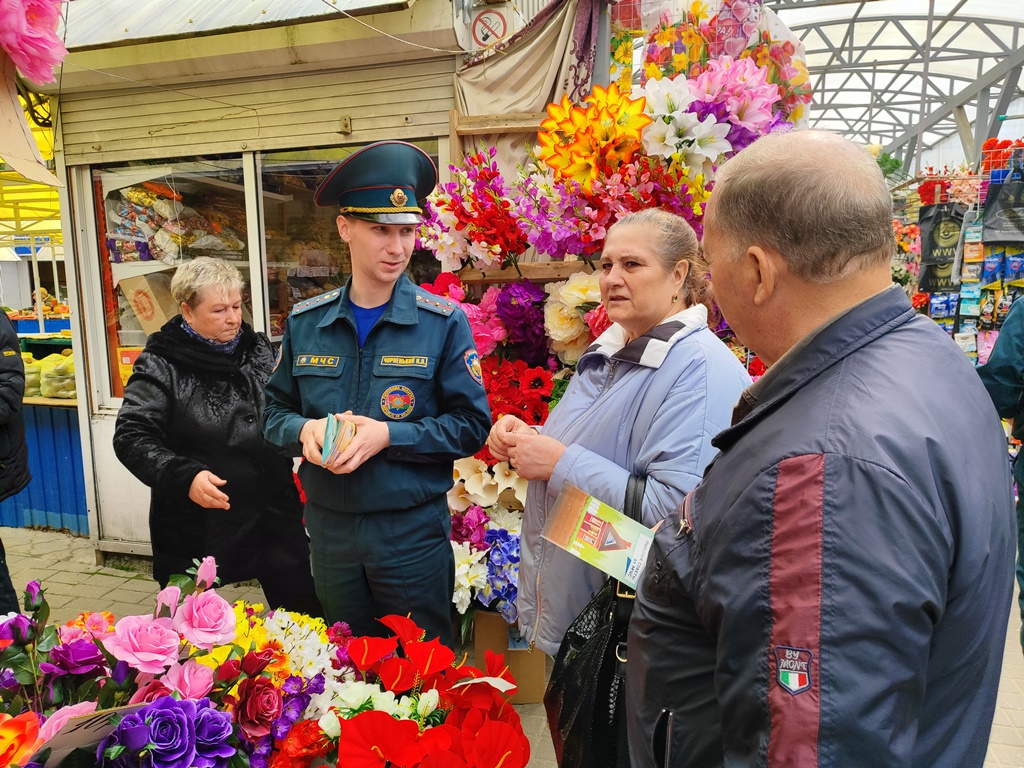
x,y
550,57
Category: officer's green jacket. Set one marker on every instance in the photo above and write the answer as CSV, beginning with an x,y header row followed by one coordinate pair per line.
x,y
418,371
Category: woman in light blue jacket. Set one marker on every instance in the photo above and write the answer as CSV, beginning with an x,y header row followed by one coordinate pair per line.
x,y
646,399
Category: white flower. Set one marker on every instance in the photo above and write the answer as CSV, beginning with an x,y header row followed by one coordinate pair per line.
x,y
506,477
661,138
569,352
470,574
665,97
482,487
508,519
330,725
427,703
467,467
706,142
385,701
354,696
459,498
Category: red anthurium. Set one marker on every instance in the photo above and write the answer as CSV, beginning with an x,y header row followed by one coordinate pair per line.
x,y
438,740
430,657
397,675
372,739
495,666
367,651
442,760
405,628
497,745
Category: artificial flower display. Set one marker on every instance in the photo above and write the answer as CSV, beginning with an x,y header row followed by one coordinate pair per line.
x,y
200,683
28,34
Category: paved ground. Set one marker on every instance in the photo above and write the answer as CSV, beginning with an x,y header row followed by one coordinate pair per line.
x,y
67,568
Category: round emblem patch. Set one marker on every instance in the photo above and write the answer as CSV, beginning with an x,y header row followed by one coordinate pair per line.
x,y
473,365
398,198
277,360
397,402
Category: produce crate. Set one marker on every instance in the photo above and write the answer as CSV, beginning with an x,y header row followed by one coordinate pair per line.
x,y
50,325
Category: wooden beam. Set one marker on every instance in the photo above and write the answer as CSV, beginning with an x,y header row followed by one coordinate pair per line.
x,y
536,271
513,122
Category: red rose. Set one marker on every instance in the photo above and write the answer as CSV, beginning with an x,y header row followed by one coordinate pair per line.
x,y
229,670
255,662
259,703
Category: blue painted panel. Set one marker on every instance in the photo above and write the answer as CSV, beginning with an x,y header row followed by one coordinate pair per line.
x,y
56,495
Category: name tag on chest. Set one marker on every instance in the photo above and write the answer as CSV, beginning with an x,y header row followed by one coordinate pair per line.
x,y
405,361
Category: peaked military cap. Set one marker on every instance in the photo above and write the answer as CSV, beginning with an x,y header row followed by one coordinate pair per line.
x,y
384,182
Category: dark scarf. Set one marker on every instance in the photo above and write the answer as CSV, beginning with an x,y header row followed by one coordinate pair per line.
x,y
225,347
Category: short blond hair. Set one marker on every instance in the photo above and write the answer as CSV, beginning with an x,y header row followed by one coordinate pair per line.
x,y
195,276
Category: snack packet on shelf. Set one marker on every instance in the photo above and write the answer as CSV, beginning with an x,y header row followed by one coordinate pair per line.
x,y
338,435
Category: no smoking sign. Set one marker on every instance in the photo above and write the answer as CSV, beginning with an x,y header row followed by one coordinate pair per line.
x,y
489,27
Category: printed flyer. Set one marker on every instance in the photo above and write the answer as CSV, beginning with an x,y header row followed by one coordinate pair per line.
x,y
598,534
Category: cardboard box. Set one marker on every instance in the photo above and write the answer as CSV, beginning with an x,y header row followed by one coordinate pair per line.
x,y
126,360
150,298
529,668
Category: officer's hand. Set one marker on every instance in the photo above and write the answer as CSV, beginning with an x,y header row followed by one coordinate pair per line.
x,y
371,438
498,440
312,438
533,456
204,491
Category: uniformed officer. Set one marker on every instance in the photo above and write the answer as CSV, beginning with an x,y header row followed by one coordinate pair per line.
x,y
401,364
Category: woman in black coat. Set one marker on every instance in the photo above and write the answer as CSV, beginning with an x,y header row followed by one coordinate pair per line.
x,y
190,429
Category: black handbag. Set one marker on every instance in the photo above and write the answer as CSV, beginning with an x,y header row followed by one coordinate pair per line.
x,y
585,699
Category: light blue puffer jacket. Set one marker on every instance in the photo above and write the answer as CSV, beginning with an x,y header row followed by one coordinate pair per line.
x,y
648,407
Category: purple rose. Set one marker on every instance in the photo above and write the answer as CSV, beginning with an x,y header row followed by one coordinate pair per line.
x,y
17,628
172,732
33,596
79,657
213,729
132,735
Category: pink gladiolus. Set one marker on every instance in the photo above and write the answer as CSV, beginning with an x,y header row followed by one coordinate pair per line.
x,y
28,33
206,619
192,680
147,644
167,599
206,574
57,719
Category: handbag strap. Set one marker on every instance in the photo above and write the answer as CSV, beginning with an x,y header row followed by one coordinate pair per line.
x,y
634,506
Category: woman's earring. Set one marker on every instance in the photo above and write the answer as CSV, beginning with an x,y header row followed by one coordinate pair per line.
x,y
675,298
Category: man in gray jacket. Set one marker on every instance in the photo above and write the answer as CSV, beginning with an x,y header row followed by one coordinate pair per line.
x,y
836,589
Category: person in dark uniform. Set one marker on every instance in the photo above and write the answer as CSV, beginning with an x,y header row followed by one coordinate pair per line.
x,y
399,363
14,473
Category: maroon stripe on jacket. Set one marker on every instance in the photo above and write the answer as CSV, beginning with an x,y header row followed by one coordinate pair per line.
x,y
795,593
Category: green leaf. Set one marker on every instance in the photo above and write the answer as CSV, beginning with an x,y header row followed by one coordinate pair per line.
x,y
23,668
48,640
239,760
42,615
466,627
182,582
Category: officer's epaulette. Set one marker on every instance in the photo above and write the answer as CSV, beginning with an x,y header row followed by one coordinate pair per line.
x,y
316,301
431,303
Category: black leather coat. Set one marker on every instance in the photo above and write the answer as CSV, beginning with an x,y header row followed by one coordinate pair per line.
x,y
14,474
188,407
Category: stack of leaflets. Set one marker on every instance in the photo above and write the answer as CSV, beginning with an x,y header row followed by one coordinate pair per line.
x,y
338,435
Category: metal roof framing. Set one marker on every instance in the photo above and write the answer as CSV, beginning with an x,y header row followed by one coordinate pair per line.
x,y
897,80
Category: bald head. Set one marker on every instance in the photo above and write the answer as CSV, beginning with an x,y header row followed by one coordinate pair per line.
x,y
815,198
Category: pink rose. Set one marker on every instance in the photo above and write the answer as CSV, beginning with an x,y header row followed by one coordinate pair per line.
x,y
167,599
149,691
192,680
206,619
206,574
597,320
57,719
67,634
147,644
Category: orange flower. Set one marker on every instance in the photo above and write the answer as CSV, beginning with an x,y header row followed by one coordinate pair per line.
x,y
19,738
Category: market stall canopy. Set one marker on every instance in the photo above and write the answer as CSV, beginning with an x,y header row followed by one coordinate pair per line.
x,y
94,23
889,72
